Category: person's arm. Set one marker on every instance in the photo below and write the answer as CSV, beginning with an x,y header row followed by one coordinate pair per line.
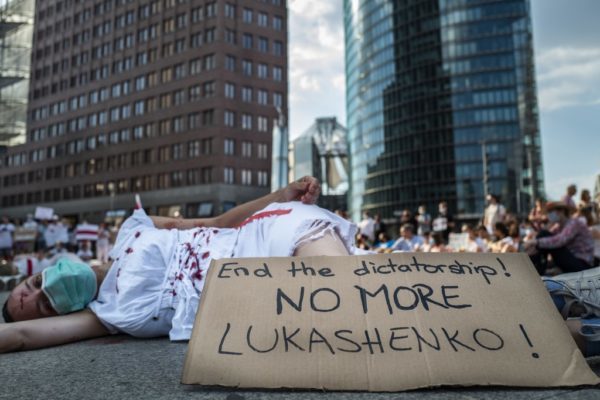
x,y
51,331
561,238
306,190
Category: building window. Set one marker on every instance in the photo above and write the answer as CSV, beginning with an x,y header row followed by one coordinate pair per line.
x,y
229,10
196,40
193,149
230,36
195,93
229,147
263,44
262,97
263,151
209,89
247,67
278,48
262,71
246,177
246,149
229,90
263,178
247,94
278,99
228,175
247,41
246,121
278,74
247,15
262,123
229,118
263,19
230,63
277,23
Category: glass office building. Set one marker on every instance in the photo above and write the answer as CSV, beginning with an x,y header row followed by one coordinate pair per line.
x,y
441,105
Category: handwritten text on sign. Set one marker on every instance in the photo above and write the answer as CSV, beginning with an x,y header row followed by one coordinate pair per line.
x,y
380,322
395,298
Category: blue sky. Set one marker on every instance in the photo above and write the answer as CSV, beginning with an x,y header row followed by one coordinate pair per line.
x,y
567,52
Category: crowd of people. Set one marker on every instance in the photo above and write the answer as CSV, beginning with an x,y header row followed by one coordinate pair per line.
x,y
153,285
559,236
31,246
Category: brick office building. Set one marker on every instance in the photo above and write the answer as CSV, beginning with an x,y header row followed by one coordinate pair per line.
x,y
171,99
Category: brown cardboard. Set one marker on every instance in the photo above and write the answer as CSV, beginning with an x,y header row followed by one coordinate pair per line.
x,y
509,332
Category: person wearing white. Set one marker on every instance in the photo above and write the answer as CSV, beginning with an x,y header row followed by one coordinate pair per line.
x,y
103,243
367,226
494,212
408,241
7,230
160,264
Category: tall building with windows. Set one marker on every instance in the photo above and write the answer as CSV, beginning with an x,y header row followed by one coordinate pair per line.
x,y
16,28
171,99
441,105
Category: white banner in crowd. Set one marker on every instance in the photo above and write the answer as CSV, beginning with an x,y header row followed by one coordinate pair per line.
x,y
43,213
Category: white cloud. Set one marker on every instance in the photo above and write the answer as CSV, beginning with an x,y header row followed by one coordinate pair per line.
x,y
316,62
568,77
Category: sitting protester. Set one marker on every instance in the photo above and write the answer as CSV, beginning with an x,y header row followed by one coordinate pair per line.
x,y
571,247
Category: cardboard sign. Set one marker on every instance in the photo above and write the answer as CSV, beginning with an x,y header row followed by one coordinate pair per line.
x,y
44,213
380,323
458,241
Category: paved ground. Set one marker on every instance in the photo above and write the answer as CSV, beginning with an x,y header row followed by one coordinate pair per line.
x,y
125,368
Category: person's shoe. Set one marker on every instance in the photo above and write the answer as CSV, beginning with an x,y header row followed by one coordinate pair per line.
x,y
576,294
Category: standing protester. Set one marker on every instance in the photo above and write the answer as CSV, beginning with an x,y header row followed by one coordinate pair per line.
x,y
379,227
6,238
367,226
407,218
444,222
423,221
571,247
103,243
568,197
494,212
587,206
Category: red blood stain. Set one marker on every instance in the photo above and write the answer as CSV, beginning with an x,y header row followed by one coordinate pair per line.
x,y
137,234
173,292
200,224
215,231
129,250
198,275
118,272
265,214
194,264
205,255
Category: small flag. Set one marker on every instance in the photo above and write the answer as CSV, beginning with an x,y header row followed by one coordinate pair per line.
x,y
138,202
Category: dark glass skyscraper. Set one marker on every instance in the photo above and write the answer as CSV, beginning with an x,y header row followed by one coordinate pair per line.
x,y
441,105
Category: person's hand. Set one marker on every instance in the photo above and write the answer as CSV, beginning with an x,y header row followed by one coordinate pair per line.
x,y
530,246
305,189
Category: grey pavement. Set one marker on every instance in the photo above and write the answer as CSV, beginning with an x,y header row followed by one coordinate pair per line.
x,y
120,367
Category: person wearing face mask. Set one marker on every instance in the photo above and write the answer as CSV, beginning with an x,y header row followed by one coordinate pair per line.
x,y
571,246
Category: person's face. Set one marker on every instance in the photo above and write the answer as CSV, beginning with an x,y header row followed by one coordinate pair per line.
x,y
422,210
28,301
572,190
406,233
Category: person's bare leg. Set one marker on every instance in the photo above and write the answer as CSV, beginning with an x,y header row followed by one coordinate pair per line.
x,y
329,244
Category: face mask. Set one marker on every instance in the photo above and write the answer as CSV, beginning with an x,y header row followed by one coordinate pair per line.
x,y
553,217
69,285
